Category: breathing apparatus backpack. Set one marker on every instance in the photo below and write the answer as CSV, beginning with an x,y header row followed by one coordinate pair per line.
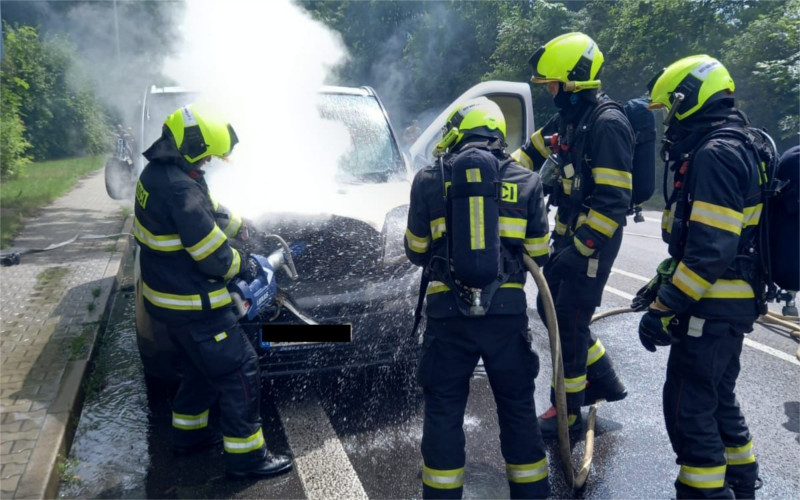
x,y
784,219
475,264
643,123
776,264
473,232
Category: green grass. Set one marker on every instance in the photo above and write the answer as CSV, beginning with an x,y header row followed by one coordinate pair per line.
x,y
37,186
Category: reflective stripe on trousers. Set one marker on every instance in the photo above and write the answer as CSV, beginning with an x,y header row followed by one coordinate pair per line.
x,y
243,445
443,479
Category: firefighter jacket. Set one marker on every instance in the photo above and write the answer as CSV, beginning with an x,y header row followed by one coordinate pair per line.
x,y
711,226
594,191
185,256
523,228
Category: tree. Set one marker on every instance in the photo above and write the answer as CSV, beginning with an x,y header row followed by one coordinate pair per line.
x,y
118,47
13,145
61,117
422,55
764,60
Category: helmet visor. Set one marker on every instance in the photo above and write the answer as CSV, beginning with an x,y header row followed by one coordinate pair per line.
x,y
533,62
234,141
652,82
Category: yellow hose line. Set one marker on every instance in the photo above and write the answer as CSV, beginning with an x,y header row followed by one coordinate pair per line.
x,y
793,319
574,481
611,312
775,319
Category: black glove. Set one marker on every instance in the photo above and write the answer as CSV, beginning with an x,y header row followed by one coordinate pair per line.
x,y
654,329
249,268
648,293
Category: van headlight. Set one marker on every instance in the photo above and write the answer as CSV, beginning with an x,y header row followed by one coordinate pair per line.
x,y
392,234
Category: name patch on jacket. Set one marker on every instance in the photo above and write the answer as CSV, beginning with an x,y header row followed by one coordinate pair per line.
x,y
141,194
509,192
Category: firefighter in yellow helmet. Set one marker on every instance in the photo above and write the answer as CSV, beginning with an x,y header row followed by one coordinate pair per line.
x,y
186,261
704,309
472,216
586,166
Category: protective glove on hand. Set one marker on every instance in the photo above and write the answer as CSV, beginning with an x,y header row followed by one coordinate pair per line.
x,y
249,268
648,293
654,328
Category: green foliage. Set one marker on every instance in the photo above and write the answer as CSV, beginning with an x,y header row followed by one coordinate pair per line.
x,y
764,60
13,145
421,55
60,114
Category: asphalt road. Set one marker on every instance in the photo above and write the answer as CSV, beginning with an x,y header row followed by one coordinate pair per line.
x,y
358,435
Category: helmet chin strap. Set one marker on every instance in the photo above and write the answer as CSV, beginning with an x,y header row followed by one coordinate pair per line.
x,y
578,86
677,100
447,141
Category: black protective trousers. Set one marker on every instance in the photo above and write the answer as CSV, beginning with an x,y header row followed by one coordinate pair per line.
x,y
576,295
705,424
220,366
451,349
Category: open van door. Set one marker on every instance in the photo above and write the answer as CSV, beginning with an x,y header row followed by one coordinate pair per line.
x,y
514,99
157,104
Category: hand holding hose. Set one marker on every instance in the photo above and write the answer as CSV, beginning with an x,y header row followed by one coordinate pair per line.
x,y
648,293
654,326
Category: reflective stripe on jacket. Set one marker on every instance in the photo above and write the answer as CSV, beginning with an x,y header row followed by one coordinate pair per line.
x,y
724,212
523,228
185,256
590,221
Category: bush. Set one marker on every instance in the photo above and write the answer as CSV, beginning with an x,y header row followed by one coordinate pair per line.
x,y
60,113
13,145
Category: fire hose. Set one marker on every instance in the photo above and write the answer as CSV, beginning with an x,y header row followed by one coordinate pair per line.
x,y
575,481
790,323
11,256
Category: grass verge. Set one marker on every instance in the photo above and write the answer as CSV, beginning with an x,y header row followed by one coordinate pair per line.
x,y
38,185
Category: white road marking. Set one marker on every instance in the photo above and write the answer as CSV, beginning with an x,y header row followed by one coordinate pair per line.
x,y
650,219
630,275
751,343
769,350
643,235
620,293
320,460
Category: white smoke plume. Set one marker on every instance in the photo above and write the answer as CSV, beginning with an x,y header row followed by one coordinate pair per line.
x,y
261,63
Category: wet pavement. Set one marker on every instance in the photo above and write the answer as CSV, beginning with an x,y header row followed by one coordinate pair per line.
x,y
358,435
51,308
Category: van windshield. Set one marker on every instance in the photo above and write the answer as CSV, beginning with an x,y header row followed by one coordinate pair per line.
x,y
373,155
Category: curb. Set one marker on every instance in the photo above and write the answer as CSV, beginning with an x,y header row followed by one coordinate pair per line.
x,y
41,477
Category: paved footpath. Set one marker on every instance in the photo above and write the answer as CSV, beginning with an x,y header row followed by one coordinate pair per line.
x,y
51,310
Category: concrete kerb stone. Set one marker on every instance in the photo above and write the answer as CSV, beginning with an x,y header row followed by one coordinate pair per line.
x,y
41,476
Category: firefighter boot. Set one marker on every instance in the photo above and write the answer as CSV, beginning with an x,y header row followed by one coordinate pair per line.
x,y
548,422
743,479
609,388
210,439
272,465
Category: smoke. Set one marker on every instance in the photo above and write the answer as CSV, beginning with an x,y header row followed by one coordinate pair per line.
x,y
261,65
119,45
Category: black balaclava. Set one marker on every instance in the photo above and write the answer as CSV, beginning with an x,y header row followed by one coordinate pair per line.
x,y
682,135
571,105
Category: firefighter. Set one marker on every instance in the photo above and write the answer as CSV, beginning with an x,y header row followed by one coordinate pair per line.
x,y
703,312
589,179
186,261
453,341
